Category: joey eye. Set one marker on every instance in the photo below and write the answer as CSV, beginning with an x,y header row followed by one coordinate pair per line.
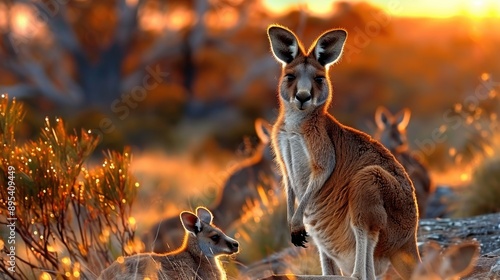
x,y
215,238
289,77
319,79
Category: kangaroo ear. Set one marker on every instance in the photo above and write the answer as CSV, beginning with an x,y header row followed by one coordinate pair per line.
x,y
204,214
190,222
328,47
460,258
403,118
284,44
263,130
382,117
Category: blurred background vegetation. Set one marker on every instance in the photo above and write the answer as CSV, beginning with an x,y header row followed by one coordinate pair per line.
x,y
182,82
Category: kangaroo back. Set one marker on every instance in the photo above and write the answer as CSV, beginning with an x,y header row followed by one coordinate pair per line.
x,y
391,132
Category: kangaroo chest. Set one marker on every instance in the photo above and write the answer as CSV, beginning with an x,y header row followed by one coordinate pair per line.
x,y
297,159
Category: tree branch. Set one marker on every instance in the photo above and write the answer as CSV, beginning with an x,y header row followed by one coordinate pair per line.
x,y
127,21
57,22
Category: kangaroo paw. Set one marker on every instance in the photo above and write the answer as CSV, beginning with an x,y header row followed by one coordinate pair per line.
x,y
299,237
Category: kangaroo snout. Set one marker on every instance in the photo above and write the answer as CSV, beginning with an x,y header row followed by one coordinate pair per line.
x,y
303,96
233,245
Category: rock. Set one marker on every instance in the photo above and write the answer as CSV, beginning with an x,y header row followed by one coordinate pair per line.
x,y
484,229
439,201
487,267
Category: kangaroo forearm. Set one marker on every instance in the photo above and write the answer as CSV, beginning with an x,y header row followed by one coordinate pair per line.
x,y
290,202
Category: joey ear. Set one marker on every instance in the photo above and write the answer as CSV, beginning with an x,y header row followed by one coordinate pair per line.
x,y
461,258
284,44
263,130
204,214
328,47
190,222
383,117
403,118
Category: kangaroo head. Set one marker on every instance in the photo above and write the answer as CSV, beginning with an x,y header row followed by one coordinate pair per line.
x,y
304,83
391,129
211,240
264,130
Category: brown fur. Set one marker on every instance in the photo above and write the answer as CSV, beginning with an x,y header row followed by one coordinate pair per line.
x,y
356,199
258,171
196,259
392,134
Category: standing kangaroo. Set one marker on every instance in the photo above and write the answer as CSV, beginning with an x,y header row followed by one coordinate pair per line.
x,y
356,199
391,133
196,259
255,172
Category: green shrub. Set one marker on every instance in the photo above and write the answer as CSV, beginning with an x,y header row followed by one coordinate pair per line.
x,y
70,221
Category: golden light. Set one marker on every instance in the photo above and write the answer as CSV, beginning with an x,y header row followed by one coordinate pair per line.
x,y
481,8
179,18
24,21
45,276
464,177
21,20
132,221
66,261
222,18
423,8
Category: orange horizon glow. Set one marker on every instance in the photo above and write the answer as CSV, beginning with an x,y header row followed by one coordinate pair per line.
x,y
475,9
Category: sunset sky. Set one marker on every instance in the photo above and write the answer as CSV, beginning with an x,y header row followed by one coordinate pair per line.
x,y
419,8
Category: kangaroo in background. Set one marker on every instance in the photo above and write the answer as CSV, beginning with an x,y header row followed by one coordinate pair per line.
x,y
357,200
391,133
197,258
255,172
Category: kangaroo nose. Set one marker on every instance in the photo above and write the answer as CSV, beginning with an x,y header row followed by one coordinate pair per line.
x,y
303,96
233,244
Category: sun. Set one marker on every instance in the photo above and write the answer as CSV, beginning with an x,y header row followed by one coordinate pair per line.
x,y
481,8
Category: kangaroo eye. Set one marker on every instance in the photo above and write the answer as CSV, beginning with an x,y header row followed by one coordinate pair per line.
x,y
215,238
289,77
319,79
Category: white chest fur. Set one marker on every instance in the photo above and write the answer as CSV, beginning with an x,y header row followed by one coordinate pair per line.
x,y
297,159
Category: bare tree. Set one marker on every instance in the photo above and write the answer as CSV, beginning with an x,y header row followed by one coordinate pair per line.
x,y
61,67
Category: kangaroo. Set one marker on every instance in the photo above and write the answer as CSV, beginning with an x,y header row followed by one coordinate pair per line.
x,y
197,258
391,132
454,262
257,171
357,200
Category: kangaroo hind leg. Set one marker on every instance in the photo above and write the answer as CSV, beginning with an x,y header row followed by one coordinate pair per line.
x,y
328,265
368,216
